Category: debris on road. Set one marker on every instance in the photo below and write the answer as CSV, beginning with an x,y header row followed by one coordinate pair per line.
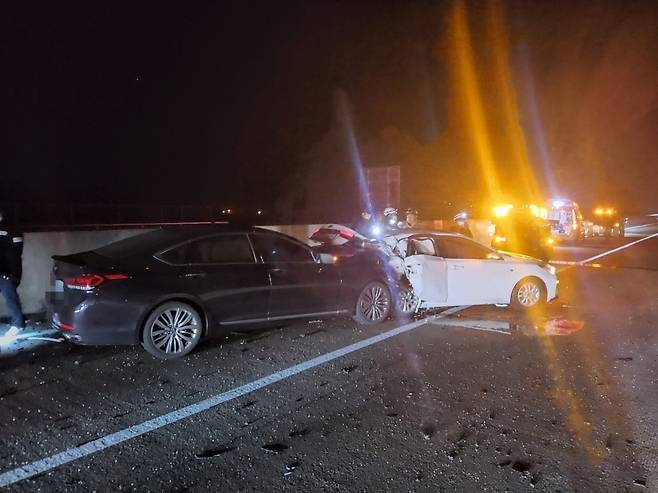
x,y
210,453
276,447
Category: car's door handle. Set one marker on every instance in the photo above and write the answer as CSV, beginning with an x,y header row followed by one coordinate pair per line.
x,y
277,269
457,267
195,274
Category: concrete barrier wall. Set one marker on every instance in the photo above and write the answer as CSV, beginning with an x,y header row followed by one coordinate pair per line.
x,y
40,247
37,262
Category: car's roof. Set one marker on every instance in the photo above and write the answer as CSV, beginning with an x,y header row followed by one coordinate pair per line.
x,y
191,230
164,237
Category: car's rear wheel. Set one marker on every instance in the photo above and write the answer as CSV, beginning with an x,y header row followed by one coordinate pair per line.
x,y
172,330
528,293
373,304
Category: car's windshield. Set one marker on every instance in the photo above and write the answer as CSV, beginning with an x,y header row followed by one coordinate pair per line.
x,y
462,248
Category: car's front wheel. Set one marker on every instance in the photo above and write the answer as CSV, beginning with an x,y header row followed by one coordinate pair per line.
x,y
528,293
172,330
406,302
373,304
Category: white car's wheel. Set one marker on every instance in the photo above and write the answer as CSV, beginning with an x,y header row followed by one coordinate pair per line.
x,y
406,302
528,293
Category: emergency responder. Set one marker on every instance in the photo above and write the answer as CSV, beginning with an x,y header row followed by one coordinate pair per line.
x,y
411,218
11,270
365,225
460,224
391,221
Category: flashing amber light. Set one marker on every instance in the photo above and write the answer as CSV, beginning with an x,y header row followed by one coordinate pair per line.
x,y
609,212
499,239
550,241
598,211
502,210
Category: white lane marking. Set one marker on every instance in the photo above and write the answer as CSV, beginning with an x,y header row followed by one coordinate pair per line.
x,y
614,250
47,463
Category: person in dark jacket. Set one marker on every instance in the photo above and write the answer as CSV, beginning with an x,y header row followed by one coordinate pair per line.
x,y
365,224
460,225
11,271
411,218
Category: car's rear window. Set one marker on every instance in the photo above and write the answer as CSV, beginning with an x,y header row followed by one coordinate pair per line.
x,y
142,243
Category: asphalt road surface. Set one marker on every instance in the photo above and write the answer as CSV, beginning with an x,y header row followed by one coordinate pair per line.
x,y
475,399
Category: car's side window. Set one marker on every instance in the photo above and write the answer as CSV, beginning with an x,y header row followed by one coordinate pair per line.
x,y
272,248
177,255
453,247
221,249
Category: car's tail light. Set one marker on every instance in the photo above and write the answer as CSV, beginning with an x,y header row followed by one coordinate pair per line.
x,y
348,235
88,282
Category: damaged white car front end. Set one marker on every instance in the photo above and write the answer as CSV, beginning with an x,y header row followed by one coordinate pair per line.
x,y
448,269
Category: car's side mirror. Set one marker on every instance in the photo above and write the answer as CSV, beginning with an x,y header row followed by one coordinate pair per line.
x,y
326,258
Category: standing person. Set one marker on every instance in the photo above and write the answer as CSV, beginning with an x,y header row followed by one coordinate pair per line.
x,y
411,219
391,222
460,225
365,224
11,271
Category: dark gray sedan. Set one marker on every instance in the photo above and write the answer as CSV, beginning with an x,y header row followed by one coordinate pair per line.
x,y
169,288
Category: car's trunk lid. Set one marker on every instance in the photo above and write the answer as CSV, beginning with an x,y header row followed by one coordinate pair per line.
x,y
80,263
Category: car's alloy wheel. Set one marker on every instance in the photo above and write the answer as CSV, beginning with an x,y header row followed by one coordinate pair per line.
x,y
528,293
172,330
374,304
407,301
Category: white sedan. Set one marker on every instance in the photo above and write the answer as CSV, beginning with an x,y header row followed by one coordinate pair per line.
x,y
448,269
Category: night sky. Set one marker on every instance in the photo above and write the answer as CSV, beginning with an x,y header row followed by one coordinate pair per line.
x,y
235,103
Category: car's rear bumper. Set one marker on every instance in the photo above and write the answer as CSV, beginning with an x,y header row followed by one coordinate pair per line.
x,y
96,324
